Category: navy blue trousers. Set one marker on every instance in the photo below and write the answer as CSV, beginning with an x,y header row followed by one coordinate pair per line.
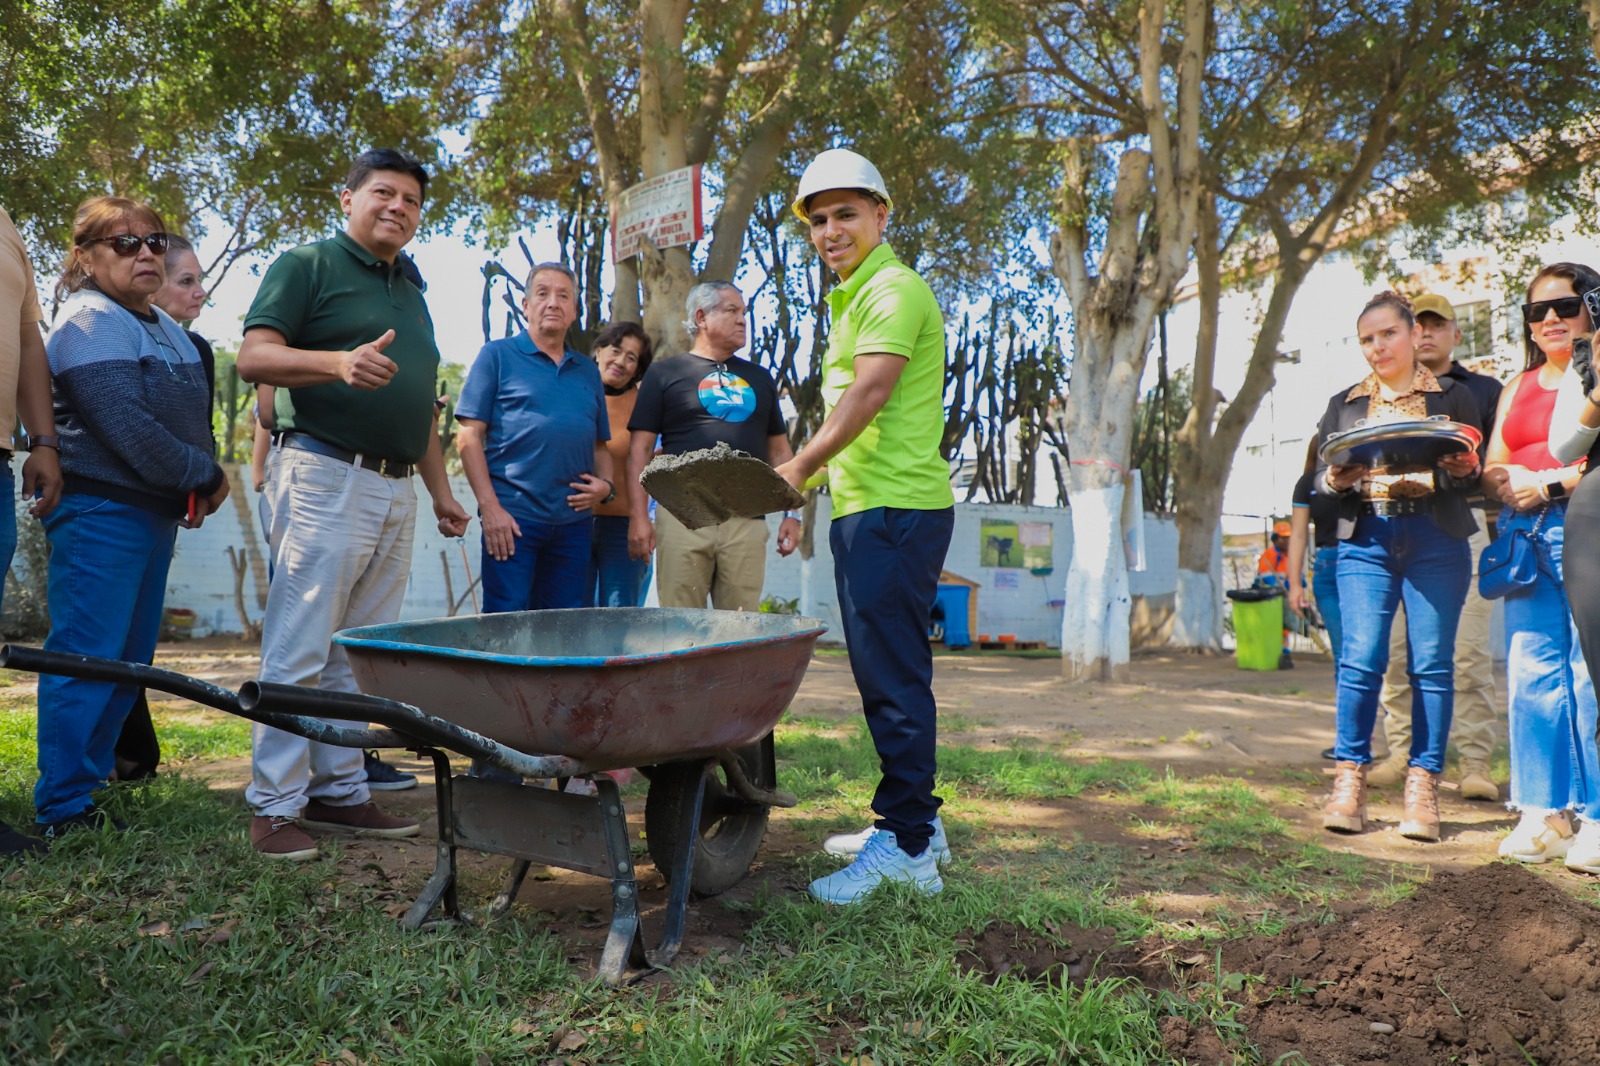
x,y
886,564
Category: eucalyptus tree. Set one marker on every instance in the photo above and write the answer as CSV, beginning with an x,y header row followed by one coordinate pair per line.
x,y
1239,139
584,98
1119,86
1338,121
239,113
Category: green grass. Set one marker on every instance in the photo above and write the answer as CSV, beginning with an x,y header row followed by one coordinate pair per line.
x,y
312,966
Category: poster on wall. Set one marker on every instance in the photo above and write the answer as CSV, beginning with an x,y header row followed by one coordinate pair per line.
x,y
1016,545
1007,579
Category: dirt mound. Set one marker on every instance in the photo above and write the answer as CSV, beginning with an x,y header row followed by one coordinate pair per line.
x,y
1492,966
1066,953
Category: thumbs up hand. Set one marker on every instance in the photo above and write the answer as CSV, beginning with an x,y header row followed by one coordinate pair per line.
x,y
367,367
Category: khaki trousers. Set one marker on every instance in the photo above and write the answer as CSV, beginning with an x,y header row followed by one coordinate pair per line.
x,y
727,562
1475,725
341,549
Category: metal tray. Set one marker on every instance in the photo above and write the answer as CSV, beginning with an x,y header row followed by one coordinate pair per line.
x,y
1404,442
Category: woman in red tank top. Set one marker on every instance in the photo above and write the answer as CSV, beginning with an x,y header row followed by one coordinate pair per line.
x,y
1555,766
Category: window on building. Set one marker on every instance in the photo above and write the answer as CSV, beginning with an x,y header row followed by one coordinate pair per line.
x,y
1477,332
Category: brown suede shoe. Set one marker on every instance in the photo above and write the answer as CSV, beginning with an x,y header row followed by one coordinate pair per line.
x,y
277,837
1346,810
1421,818
1476,784
1390,772
362,819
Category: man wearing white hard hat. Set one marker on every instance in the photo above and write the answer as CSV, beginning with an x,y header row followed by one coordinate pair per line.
x,y
893,511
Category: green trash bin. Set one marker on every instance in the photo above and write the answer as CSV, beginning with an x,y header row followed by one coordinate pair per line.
x,y
1258,627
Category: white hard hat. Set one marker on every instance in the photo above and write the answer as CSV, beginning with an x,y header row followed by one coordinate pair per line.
x,y
840,168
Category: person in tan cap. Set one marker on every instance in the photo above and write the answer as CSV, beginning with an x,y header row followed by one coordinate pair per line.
x,y
1475,727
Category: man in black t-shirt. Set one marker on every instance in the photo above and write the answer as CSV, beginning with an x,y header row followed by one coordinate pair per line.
x,y
693,401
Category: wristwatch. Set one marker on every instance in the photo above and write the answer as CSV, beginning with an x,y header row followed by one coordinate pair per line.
x,y
44,440
1555,489
613,494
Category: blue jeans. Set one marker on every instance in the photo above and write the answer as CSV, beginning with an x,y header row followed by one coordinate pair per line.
x,y
108,579
616,578
1553,718
548,570
886,564
1325,585
1387,561
8,528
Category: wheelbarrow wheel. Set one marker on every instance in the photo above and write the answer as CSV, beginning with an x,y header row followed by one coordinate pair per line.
x,y
731,828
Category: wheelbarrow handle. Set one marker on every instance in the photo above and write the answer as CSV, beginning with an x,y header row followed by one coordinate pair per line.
x,y
432,730
117,672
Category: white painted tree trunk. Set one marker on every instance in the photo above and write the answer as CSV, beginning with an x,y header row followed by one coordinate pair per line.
x,y
1094,624
1197,610
1197,607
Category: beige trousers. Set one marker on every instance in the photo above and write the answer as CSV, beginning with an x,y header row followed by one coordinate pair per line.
x,y
1475,725
727,562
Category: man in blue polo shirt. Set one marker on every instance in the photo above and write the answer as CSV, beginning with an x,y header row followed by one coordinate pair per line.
x,y
346,337
533,445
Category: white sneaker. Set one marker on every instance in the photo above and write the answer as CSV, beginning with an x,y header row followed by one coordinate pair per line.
x,y
1584,854
880,860
1540,836
849,845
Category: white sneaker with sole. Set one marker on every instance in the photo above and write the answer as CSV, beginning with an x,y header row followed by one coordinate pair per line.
x,y
1540,836
849,845
1584,854
880,860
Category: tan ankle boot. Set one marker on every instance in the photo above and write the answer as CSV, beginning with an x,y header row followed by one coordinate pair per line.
x,y
1476,784
1421,818
1346,810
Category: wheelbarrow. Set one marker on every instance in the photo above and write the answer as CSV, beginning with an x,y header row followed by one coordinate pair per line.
x,y
688,696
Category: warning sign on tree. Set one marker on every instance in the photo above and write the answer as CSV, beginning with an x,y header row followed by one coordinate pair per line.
x,y
664,210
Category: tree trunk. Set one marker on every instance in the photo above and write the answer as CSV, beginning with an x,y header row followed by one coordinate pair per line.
x,y
668,275
1094,627
1099,424
1197,611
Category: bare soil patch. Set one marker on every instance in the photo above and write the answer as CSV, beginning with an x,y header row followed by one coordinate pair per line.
x,y
1495,965
1063,954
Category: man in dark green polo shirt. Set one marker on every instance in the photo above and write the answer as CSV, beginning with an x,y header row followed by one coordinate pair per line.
x,y
347,339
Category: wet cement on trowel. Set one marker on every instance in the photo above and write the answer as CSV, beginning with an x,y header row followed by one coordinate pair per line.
x,y
712,485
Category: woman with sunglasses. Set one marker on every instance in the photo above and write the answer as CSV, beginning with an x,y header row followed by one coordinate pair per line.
x,y
133,417
138,750
1555,765
1402,534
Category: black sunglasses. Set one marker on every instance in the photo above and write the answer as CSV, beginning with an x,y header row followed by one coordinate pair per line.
x,y
1563,306
126,244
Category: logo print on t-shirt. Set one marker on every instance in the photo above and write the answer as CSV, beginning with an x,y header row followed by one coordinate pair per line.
x,y
727,396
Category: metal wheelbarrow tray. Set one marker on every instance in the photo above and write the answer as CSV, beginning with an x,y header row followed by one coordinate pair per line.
x,y
688,696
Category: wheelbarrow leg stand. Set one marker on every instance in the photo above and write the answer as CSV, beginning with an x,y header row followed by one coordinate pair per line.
x,y
441,885
625,948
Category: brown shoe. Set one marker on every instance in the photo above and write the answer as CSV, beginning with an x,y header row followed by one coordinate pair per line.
x,y
1346,810
1388,773
277,837
1421,818
362,819
1476,784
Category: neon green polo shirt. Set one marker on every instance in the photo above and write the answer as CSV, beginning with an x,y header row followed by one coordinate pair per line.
x,y
885,306
334,296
